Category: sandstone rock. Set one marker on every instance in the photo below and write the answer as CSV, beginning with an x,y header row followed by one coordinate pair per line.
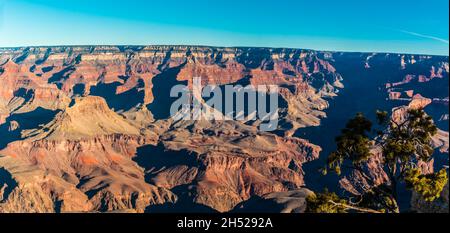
x,y
104,151
86,117
229,162
13,125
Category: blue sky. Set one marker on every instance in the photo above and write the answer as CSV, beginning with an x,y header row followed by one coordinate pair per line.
x,y
347,25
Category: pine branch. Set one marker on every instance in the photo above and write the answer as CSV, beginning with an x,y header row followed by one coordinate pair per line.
x,y
360,209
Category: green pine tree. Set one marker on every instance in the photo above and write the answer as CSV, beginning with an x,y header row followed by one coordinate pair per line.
x,y
403,144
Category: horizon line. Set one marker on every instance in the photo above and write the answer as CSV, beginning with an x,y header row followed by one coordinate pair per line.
x,y
218,46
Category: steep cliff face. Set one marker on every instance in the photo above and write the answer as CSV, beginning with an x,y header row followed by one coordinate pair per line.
x,y
88,148
86,117
56,73
100,139
26,188
80,132
220,164
357,184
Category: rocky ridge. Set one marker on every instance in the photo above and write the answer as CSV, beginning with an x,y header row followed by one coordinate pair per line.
x,y
98,146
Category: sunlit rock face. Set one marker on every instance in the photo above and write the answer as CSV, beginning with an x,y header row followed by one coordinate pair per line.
x,y
81,129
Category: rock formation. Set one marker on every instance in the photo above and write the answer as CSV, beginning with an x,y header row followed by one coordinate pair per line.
x,y
80,132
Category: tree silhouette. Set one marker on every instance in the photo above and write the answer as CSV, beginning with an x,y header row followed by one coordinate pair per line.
x,y
403,143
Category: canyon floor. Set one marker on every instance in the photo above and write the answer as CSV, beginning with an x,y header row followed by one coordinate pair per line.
x,y
87,128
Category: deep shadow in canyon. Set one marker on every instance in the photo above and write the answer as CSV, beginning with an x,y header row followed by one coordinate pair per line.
x,y
365,93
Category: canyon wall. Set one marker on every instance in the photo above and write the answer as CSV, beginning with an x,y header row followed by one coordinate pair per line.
x,y
80,130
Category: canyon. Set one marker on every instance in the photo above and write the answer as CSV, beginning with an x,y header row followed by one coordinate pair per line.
x,y
87,129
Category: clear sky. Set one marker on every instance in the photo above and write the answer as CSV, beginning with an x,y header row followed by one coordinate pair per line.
x,y
403,26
